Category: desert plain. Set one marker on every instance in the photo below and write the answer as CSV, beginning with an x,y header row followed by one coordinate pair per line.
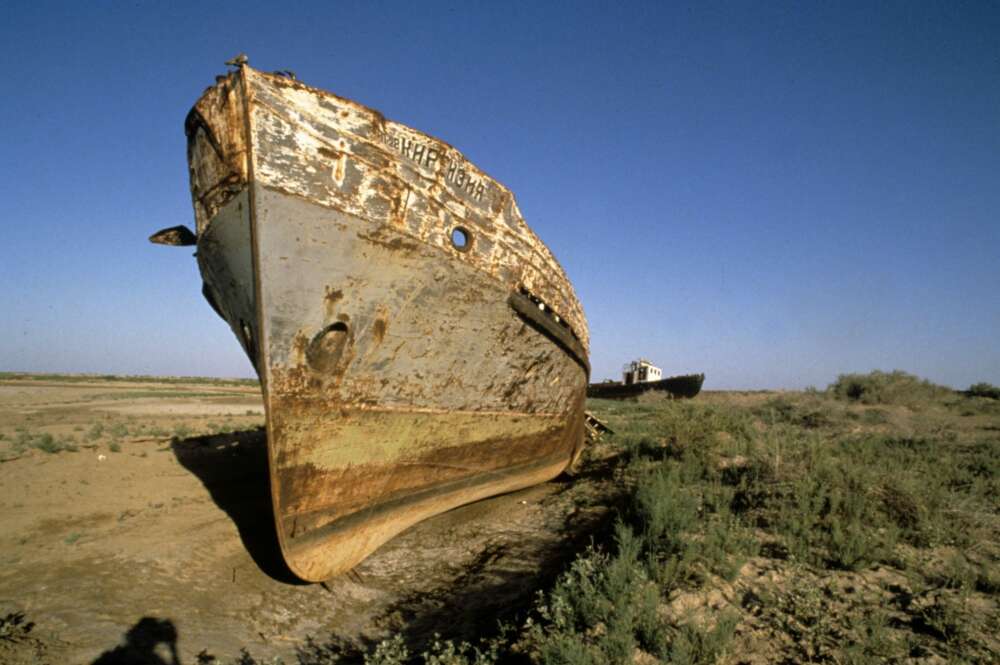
x,y
853,523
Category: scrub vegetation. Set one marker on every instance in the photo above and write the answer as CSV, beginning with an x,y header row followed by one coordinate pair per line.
x,y
53,437
852,525
84,423
121,378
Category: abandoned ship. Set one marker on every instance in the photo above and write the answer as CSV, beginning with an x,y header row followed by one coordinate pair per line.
x,y
418,346
640,376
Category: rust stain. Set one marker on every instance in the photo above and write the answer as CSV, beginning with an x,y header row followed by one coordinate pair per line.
x,y
367,438
331,297
340,491
378,498
395,244
378,330
396,166
299,344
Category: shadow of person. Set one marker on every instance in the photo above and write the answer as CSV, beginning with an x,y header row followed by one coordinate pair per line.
x,y
142,645
233,468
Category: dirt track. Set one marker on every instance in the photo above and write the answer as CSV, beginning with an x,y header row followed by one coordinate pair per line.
x,y
179,529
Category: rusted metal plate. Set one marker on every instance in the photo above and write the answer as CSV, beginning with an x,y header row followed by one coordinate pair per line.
x,y
419,347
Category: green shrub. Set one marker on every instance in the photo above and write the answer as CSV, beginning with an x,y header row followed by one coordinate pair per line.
x,y
391,651
47,443
697,645
943,617
664,510
22,440
983,390
877,387
874,416
875,644
601,609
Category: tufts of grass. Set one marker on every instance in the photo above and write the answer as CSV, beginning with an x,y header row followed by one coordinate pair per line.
x,y
168,393
22,440
874,643
874,416
696,644
942,616
782,410
118,430
14,627
44,442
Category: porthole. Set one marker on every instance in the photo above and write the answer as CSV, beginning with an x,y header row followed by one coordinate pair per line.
x,y
461,238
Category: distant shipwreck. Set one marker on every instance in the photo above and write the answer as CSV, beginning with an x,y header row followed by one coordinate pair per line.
x,y
641,376
418,346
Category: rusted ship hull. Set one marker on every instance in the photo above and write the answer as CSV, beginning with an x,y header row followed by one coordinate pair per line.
x,y
685,386
404,372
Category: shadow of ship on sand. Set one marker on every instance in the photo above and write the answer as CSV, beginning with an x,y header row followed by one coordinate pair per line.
x,y
233,468
458,574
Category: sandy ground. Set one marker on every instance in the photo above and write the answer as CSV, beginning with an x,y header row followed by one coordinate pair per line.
x,y
135,517
140,527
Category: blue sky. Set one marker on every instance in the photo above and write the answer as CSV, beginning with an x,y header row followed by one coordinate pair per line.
x,y
769,193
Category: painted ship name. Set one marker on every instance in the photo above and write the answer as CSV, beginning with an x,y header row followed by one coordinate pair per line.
x,y
428,157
